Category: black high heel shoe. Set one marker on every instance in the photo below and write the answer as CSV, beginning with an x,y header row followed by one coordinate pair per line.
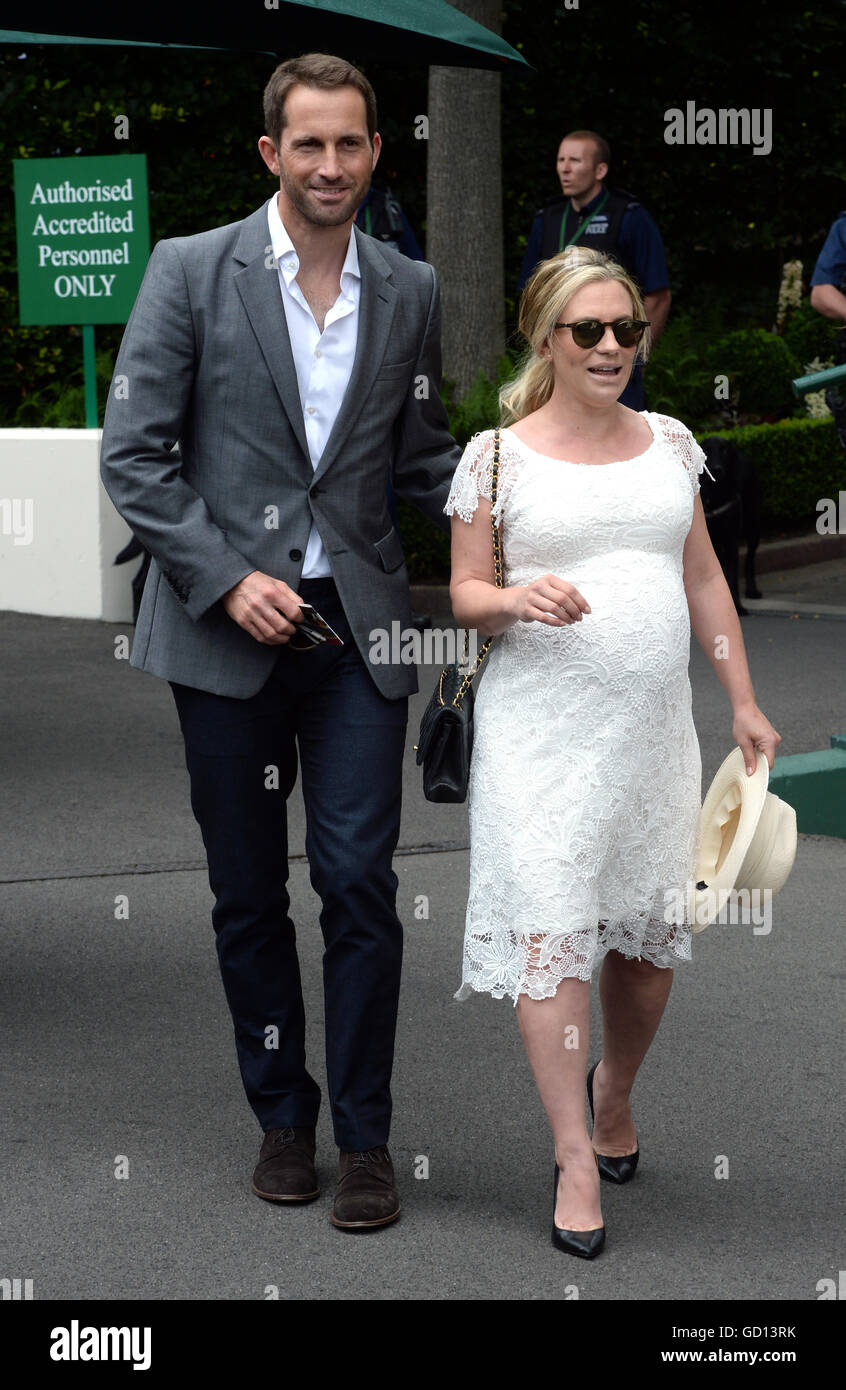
x,y
620,1169
586,1244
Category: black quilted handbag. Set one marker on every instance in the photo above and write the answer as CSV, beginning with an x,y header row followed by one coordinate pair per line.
x,y
445,741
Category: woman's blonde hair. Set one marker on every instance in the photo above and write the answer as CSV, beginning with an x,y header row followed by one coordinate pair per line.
x,y
544,301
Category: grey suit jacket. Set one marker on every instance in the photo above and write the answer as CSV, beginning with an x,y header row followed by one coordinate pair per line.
x,y
204,451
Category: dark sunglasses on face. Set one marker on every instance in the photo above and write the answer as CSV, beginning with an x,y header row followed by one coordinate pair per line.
x,y
588,332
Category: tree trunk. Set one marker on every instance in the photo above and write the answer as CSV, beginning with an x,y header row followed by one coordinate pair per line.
x,y
464,209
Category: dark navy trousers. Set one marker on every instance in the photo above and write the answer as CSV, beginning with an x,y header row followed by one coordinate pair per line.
x,y
324,704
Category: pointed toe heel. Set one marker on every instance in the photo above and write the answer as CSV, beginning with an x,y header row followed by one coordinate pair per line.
x,y
618,1170
585,1244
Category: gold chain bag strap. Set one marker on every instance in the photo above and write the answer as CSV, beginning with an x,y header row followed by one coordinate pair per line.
x,y
445,741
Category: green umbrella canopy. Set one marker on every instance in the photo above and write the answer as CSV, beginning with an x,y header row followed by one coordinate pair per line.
x,y
403,31
28,37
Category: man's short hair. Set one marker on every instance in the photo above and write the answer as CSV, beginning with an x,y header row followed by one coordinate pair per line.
x,y
318,70
603,149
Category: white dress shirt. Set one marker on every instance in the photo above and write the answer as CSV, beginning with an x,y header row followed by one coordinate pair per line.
x,y
323,361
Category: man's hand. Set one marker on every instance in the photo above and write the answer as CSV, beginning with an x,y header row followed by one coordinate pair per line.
x,y
264,607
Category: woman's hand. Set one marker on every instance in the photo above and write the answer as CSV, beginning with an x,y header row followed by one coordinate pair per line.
x,y
751,729
548,600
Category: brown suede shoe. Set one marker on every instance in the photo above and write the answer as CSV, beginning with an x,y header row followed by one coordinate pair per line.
x,y
285,1170
366,1195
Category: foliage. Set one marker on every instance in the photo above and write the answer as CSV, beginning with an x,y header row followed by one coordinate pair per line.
x,y
790,291
808,335
197,125
761,367
816,402
60,404
479,408
798,462
427,549
679,379
728,219
684,371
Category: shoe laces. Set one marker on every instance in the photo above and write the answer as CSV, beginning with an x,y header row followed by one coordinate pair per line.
x,y
364,1156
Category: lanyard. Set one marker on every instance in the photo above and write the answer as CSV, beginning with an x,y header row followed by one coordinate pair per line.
x,y
368,220
591,215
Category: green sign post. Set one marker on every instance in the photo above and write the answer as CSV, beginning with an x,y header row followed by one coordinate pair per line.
x,y
83,233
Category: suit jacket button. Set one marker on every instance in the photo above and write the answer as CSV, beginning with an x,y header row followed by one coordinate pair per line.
x,y
295,554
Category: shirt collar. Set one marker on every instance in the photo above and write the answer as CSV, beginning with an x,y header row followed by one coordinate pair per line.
x,y
285,253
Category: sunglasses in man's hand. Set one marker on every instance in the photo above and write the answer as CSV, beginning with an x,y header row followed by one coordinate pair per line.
x,y
313,631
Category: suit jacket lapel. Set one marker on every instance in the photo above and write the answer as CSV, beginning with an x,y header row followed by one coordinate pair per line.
x,y
375,315
258,286
262,300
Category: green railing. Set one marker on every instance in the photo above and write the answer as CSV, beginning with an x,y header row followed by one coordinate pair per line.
x,y
818,381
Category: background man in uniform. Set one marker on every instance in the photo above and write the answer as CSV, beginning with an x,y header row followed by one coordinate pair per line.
x,y
588,213
828,282
296,363
380,215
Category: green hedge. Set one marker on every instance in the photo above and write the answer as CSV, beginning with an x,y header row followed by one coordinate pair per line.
x,y
760,368
808,335
683,371
798,461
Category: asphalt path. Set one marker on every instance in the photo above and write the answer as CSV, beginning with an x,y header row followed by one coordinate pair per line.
x,y
118,1055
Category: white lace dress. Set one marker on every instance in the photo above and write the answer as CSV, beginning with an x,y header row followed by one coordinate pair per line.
x,y
585,781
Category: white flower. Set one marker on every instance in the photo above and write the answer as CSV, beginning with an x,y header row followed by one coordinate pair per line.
x,y
815,402
815,405
790,290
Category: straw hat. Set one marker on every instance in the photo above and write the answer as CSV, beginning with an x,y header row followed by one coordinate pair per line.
x,y
747,839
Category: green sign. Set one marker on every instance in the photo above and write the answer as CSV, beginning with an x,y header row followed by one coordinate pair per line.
x,y
83,237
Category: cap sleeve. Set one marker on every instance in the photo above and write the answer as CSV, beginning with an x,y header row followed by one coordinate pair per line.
x,y
683,444
473,478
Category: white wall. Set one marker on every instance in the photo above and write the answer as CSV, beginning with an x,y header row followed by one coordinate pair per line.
x,y
59,531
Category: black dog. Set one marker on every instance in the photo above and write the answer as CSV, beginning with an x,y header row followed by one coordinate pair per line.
x,y
732,506
836,403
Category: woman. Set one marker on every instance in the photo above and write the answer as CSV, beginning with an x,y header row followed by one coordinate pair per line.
x,y
585,777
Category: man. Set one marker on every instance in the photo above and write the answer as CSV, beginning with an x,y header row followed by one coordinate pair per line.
x,y
828,282
610,220
381,216
296,363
